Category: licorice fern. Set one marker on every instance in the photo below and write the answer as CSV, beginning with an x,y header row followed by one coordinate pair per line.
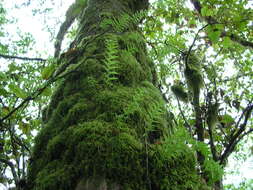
x,y
134,42
125,21
111,59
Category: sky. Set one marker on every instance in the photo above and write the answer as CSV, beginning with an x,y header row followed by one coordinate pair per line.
x,y
44,47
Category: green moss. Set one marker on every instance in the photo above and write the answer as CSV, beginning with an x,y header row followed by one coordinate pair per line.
x,y
108,134
130,71
118,153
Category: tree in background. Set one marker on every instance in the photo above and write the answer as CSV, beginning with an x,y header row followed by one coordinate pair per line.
x,y
107,122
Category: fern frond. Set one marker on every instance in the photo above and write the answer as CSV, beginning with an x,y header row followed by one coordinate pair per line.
x,y
111,59
123,22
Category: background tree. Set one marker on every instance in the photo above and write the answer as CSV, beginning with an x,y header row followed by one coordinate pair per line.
x,y
203,40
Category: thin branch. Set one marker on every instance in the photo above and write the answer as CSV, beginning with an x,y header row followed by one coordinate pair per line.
x,y
240,119
16,108
184,118
11,165
70,17
237,77
22,58
243,135
194,41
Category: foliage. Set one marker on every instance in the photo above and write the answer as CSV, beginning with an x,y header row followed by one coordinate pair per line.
x,y
19,80
245,185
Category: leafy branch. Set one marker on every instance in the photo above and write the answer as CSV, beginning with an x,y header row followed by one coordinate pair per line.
x,y
211,20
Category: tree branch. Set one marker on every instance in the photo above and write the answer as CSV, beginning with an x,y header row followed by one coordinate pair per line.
x,y
22,58
249,74
238,135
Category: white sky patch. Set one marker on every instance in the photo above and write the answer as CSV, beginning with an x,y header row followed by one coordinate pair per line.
x,y
36,25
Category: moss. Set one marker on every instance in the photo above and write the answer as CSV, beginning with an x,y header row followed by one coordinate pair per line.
x,y
130,71
92,67
55,176
118,153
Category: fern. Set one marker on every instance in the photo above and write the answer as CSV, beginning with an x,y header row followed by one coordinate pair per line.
x,y
134,40
212,169
111,59
123,22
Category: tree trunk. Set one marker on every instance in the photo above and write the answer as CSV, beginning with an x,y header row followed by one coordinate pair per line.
x,y
106,126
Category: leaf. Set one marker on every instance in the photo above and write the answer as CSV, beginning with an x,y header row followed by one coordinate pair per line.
x,y
227,119
82,2
47,92
214,32
227,42
3,92
214,36
192,23
17,91
35,123
25,127
5,110
205,11
47,71
12,67
3,76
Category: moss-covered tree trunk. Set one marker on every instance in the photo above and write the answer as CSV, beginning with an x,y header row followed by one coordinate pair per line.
x,y
106,126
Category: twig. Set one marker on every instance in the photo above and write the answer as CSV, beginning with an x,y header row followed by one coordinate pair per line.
x,y
193,43
22,58
184,118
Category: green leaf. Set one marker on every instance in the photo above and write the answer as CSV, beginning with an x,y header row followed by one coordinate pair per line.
x,y
81,2
47,92
12,67
214,36
47,71
226,42
25,127
3,92
3,76
227,119
206,11
4,111
17,91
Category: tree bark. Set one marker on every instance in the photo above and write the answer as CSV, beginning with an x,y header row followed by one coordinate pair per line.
x,y
107,123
